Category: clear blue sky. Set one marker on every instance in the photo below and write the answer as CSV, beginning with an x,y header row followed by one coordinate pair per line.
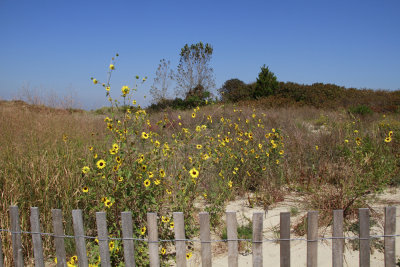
x,y
58,45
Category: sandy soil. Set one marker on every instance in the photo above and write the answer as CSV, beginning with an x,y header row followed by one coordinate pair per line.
x,y
299,248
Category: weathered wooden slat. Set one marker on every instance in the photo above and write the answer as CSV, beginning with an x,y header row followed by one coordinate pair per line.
x,y
337,244
153,239
79,233
180,235
312,236
390,242
102,234
285,234
364,237
205,239
58,240
257,239
233,248
16,237
127,232
36,238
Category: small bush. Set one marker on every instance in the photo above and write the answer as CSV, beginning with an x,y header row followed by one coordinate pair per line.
x,y
361,110
235,90
244,231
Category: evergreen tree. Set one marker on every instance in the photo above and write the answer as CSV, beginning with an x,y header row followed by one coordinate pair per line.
x,y
266,84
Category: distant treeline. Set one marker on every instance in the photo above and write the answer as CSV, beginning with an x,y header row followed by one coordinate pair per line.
x,y
317,95
322,95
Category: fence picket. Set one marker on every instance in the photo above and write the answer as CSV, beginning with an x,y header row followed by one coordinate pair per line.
x,y
205,239
79,233
36,238
257,239
338,239
102,234
312,236
390,243
337,244
16,237
233,248
180,243
364,237
285,234
153,239
58,240
127,232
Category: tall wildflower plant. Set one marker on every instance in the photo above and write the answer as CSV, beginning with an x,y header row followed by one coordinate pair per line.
x,y
170,165
140,172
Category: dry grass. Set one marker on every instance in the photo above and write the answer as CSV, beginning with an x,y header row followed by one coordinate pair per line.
x,y
38,168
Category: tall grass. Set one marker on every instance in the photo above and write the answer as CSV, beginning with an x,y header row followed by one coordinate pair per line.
x,y
37,167
336,160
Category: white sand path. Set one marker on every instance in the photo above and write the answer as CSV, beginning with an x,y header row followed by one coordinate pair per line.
x,y
271,251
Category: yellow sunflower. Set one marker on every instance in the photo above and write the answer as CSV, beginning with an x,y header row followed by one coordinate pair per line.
x,y
101,164
162,173
111,245
74,259
194,173
108,203
145,135
85,169
143,230
205,157
125,90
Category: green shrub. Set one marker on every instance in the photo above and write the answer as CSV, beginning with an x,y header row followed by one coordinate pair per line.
x,y
234,90
244,231
361,110
267,83
179,103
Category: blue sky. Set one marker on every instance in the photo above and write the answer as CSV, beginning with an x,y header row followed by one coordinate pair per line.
x,y
56,46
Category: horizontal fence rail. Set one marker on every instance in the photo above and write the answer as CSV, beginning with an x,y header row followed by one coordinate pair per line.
x,y
180,240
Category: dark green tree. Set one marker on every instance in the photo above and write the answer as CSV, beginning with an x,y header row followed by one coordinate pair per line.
x,y
194,75
266,84
234,90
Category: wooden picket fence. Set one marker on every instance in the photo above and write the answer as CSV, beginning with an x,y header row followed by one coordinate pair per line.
x,y
180,240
